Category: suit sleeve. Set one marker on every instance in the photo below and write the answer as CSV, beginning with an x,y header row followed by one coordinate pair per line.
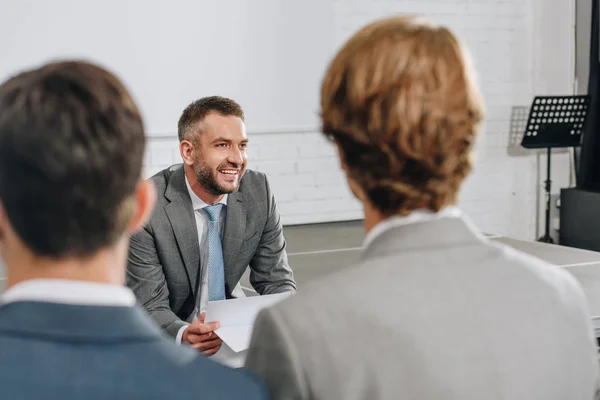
x,y
146,278
270,271
273,357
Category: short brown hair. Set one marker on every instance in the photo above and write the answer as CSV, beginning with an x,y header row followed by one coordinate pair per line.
x,y
399,101
199,109
71,151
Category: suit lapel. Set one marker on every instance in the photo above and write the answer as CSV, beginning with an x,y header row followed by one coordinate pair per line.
x,y
181,215
235,226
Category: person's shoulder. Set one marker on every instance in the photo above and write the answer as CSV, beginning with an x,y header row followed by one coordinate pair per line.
x,y
255,187
302,308
161,178
161,181
252,179
219,381
553,277
196,374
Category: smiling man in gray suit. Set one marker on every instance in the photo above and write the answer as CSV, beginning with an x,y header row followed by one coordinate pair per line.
x,y
432,310
213,219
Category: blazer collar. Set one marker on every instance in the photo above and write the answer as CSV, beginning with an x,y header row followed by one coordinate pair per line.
x,y
75,322
434,233
176,189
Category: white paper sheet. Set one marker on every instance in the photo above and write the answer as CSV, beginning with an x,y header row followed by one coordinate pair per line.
x,y
236,318
228,357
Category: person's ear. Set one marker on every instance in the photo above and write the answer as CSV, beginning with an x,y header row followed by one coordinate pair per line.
x,y
187,150
145,199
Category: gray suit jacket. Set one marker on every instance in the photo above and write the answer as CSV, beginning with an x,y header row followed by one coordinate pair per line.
x,y
63,351
164,258
432,311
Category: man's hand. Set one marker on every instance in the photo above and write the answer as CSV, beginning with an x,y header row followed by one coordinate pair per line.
x,y
201,336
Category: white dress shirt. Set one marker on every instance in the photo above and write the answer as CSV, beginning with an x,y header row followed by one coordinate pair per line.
x,y
412,218
62,291
202,222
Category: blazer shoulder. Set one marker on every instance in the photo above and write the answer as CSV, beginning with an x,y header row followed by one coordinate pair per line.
x,y
224,381
551,274
255,185
161,179
253,178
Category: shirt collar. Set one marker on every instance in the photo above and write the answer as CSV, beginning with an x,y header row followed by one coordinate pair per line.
x,y
64,291
414,217
197,202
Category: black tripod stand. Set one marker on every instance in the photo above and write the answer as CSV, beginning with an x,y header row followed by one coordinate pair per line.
x,y
554,122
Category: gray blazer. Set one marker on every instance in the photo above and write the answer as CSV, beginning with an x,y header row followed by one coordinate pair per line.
x,y
63,351
432,311
164,258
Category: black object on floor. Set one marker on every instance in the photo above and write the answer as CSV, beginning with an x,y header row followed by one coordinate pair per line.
x,y
554,122
580,219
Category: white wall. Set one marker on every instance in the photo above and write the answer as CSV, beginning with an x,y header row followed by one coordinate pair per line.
x,y
169,53
520,47
582,44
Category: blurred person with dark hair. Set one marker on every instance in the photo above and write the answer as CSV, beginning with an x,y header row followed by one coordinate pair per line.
x,y
433,309
213,219
71,148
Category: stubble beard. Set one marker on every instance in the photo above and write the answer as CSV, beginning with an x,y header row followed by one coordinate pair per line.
x,y
208,179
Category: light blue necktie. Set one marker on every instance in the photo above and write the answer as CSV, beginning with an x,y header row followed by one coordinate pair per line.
x,y
216,280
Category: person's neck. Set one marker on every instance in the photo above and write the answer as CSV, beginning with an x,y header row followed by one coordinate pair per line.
x,y
200,191
105,266
373,216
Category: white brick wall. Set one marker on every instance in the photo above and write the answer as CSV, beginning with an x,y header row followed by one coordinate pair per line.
x,y
520,48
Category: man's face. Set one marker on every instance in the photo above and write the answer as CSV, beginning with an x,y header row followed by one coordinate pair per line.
x,y
220,157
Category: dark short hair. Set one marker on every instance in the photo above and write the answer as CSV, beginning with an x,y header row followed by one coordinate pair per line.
x,y
71,151
199,109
